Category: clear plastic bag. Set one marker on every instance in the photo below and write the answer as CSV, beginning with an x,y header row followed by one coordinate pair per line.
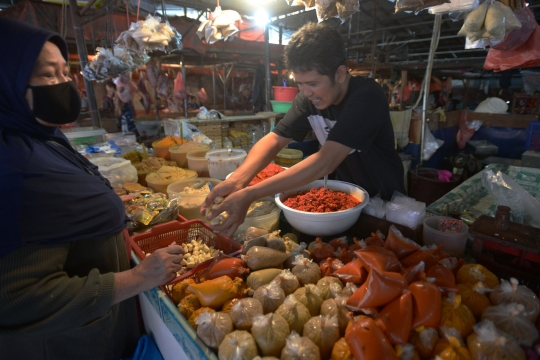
x,y
489,343
271,297
117,170
300,348
525,208
213,327
324,332
324,286
431,143
270,332
510,318
238,345
311,296
306,271
376,207
455,6
518,37
244,311
405,210
296,313
287,281
511,292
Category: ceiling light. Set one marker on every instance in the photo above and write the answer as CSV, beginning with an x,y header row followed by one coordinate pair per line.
x,y
261,17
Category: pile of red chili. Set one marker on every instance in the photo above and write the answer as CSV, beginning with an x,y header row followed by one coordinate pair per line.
x,y
266,173
314,201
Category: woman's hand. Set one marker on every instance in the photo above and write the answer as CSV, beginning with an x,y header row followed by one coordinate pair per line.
x,y
160,267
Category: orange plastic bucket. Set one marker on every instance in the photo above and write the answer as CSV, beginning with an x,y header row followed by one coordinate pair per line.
x,y
282,93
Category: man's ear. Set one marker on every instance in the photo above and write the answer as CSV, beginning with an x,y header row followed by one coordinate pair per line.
x,y
341,73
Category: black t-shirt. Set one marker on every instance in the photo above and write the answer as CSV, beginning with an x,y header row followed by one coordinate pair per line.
x,y
362,122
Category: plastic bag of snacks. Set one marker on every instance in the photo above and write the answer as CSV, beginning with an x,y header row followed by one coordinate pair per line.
x,y
243,312
324,332
296,313
270,332
510,291
311,296
298,347
238,345
456,315
213,327
488,342
511,319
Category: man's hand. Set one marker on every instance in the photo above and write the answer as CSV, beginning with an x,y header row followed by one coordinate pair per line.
x,y
236,205
223,189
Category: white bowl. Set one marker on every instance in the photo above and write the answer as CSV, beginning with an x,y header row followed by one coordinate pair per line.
x,y
324,224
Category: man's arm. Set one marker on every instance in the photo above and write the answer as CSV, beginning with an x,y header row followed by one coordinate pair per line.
x,y
262,153
312,168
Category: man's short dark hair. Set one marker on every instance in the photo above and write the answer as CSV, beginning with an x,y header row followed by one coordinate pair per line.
x,y
110,84
316,47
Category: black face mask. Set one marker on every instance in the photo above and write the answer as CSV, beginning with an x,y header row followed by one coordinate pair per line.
x,y
56,104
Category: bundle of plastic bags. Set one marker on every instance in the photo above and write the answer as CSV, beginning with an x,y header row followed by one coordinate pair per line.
x,y
222,26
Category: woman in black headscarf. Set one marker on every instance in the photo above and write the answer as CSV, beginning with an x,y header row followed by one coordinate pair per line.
x,y
66,288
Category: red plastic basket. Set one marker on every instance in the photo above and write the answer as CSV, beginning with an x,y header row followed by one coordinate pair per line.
x,y
163,235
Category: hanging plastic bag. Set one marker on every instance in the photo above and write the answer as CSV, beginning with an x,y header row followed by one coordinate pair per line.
x,y
426,304
510,291
518,37
179,87
379,289
475,20
455,6
527,55
367,341
488,342
311,297
201,94
395,319
345,8
431,144
326,9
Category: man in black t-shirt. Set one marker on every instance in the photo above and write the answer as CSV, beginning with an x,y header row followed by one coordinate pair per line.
x,y
349,115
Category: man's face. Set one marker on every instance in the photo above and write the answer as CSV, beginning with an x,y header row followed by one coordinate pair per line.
x,y
319,88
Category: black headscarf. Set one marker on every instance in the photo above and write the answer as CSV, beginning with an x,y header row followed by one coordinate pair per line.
x,y
48,192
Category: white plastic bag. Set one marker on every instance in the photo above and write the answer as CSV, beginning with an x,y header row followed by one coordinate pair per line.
x,y
376,207
117,170
525,208
405,210
455,6
431,144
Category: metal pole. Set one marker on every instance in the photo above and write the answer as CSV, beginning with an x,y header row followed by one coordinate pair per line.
x,y
214,83
156,97
224,89
83,57
374,42
185,87
267,59
427,81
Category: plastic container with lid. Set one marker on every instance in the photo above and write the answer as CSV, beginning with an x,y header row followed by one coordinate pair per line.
x,y
179,152
268,222
453,243
190,203
160,185
197,161
222,162
117,170
288,157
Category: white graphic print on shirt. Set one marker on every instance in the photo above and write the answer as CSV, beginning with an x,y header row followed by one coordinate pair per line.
x,y
321,127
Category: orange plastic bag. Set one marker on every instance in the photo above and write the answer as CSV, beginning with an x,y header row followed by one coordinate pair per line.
x,y
412,273
341,351
226,266
376,239
474,297
367,341
339,243
379,289
473,273
330,265
456,315
400,245
424,340
395,319
215,293
352,272
426,304
320,250
444,278
424,254
376,257
527,55
450,346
